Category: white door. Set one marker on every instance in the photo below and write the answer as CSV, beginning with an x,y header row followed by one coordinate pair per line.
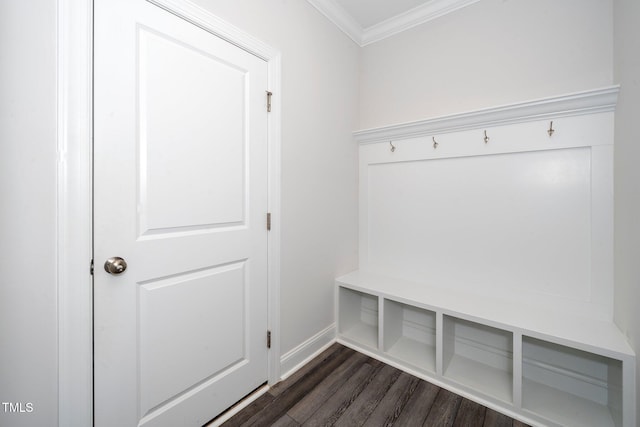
x,y
181,195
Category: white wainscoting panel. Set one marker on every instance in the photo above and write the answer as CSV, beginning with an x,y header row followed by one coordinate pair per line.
x,y
505,211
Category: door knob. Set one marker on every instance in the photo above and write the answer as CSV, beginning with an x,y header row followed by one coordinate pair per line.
x,y
115,265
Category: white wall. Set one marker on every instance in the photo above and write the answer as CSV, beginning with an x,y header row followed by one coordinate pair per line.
x,y
28,318
627,173
491,53
319,158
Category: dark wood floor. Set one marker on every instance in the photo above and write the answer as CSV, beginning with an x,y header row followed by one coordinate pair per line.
x,y
342,387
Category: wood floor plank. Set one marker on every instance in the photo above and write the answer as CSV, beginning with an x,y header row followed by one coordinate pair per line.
x,y
496,419
342,387
337,404
417,408
310,403
390,407
255,407
285,421
284,401
361,408
469,414
313,364
444,409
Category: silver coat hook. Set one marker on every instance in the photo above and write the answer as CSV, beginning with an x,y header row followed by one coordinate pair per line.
x,y
393,147
435,144
551,129
486,138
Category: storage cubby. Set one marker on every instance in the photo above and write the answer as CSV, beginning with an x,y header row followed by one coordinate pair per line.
x,y
358,313
544,368
569,386
410,335
478,356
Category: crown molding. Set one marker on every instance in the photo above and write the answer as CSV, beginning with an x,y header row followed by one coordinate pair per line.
x,y
340,17
363,36
573,104
412,18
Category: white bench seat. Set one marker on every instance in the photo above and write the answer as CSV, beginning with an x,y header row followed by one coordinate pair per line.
x,y
541,356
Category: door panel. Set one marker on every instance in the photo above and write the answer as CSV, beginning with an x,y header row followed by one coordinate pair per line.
x,y
175,315
193,155
181,194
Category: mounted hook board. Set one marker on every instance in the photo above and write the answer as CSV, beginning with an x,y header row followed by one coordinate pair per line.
x,y
524,217
486,266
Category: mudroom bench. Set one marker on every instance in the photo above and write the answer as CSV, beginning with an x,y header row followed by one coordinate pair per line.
x,y
486,259
543,367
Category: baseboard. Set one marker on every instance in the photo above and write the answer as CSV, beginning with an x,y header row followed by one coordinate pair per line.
x,y
294,359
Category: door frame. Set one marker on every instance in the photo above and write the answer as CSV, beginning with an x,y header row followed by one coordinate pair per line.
x,y
74,195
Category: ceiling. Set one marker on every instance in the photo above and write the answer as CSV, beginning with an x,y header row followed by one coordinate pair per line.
x,y
368,21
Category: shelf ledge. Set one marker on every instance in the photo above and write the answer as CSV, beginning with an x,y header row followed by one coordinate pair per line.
x,y
573,104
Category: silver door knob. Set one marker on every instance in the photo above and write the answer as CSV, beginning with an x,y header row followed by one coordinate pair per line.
x,y
115,265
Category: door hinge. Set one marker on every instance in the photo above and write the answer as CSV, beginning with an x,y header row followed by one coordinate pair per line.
x,y
91,268
268,339
268,221
269,94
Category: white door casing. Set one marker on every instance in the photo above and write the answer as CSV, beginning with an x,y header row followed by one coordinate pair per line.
x,y
181,192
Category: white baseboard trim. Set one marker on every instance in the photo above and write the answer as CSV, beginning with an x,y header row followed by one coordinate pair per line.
x,y
299,356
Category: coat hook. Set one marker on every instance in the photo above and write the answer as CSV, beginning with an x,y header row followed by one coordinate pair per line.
x,y
486,138
435,144
551,129
393,147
